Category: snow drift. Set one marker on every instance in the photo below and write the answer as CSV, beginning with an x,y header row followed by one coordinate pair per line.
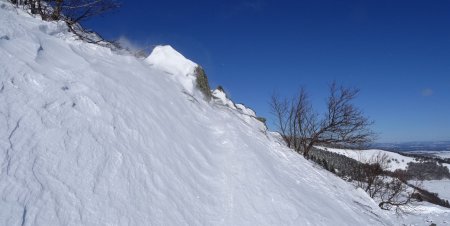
x,y
90,137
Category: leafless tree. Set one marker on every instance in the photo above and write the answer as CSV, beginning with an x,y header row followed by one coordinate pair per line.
x,y
389,189
72,12
396,194
341,124
75,11
370,173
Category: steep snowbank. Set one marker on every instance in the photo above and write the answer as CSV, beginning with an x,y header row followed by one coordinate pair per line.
x,y
246,110
246,114
88,137
221,97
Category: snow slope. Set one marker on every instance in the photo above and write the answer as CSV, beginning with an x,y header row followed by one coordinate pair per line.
x,y
221,97
441,187
90,137
167,59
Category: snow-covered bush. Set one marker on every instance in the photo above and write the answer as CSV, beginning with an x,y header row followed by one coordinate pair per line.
x,y
221,88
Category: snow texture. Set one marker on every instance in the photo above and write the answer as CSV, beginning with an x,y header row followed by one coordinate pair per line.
x,y
90,137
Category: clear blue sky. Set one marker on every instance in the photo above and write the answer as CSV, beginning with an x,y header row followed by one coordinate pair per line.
x,y
396,52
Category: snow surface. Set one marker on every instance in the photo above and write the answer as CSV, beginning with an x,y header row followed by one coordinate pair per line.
x,y
172,62
441,187
246,114
221,97
90,137
424,214
246,110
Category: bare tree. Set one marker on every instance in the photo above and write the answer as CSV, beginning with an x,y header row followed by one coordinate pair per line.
x,y
341,124
75,11
72,12
370,173
396,194
389,189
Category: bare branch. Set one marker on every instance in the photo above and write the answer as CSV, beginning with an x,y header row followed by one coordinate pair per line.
x,y
343,124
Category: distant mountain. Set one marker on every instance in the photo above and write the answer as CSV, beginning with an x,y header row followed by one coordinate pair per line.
x,y
414,146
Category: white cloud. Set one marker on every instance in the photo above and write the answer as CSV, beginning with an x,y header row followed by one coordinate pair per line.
x,y
427,92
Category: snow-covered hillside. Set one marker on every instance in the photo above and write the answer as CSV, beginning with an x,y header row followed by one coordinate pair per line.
x,y
440,154
397,161
440,187
419,213
90,137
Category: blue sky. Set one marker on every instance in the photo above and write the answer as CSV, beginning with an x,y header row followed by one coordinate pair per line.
x,y
396,52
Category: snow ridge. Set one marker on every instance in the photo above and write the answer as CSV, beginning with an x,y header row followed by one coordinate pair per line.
x,y
172,62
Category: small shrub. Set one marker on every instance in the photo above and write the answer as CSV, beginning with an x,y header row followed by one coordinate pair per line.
x,y
261,119
220,88
202,82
